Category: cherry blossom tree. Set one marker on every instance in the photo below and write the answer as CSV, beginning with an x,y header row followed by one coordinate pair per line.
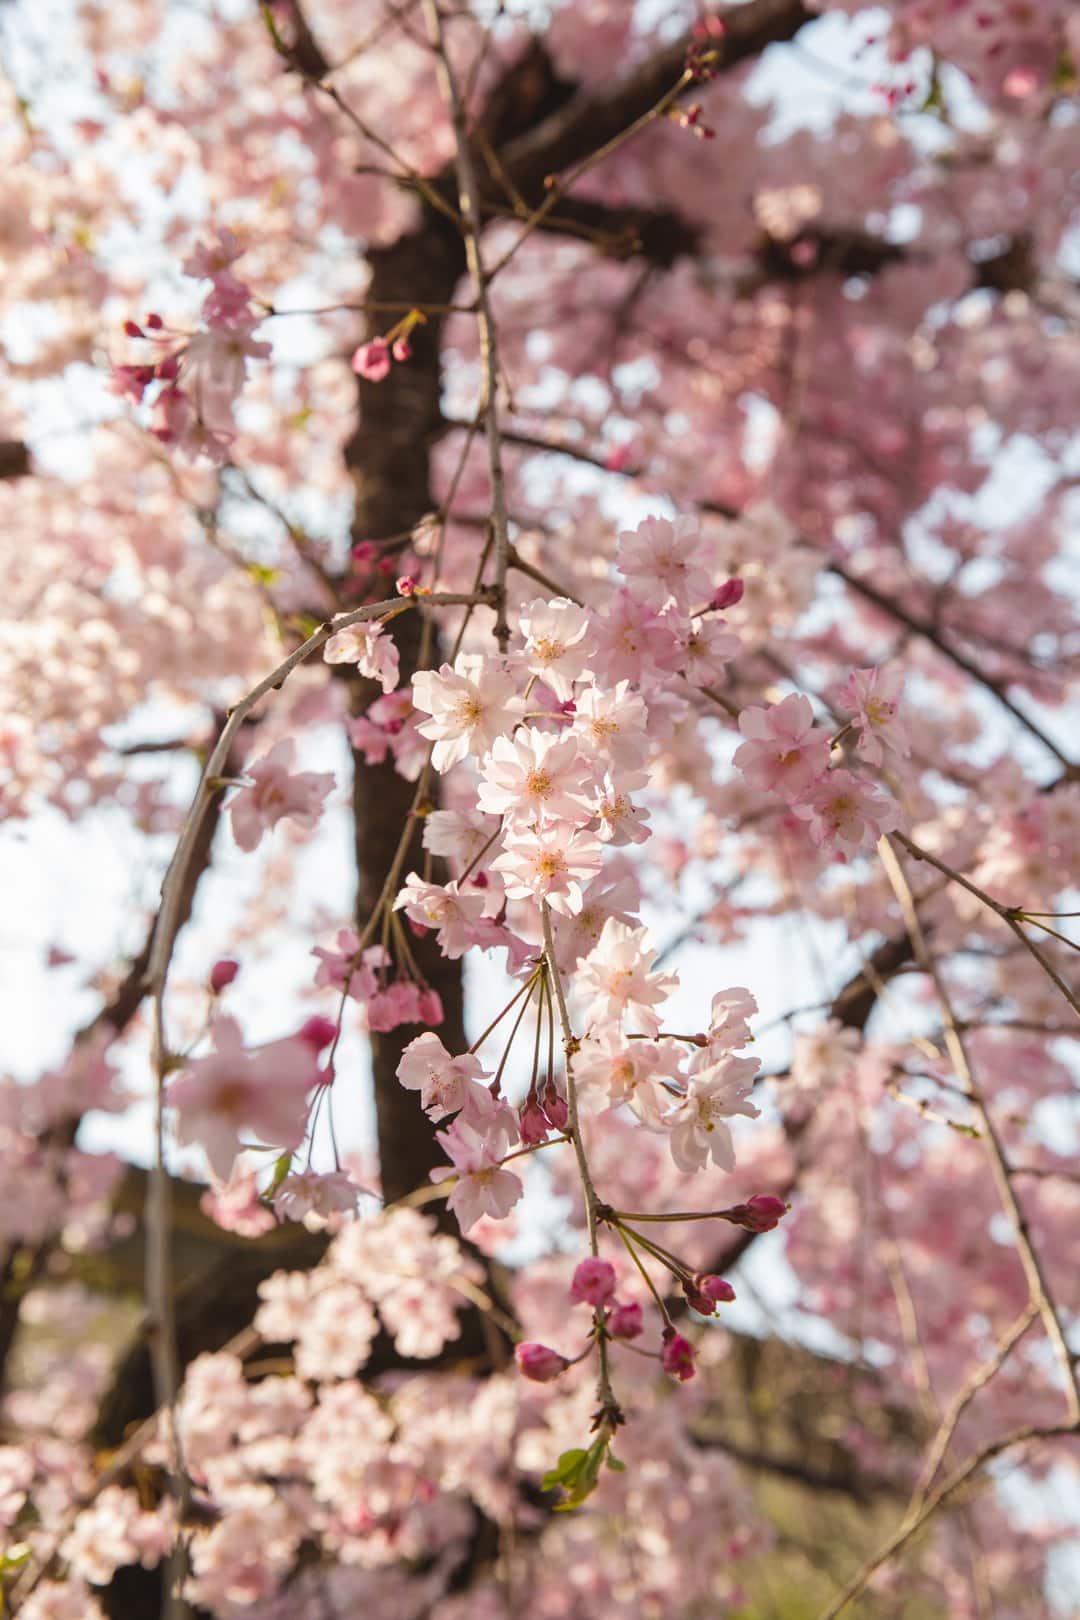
x,y
566,502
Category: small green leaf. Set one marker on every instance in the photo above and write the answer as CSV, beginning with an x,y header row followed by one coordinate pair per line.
x,y
282,1166
615,1465
263,576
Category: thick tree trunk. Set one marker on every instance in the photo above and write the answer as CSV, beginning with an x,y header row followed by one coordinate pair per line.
x,y
389,456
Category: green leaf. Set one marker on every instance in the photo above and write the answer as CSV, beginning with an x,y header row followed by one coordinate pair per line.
x,y
282,1167
565,1472
578,1473
614,1464
263,576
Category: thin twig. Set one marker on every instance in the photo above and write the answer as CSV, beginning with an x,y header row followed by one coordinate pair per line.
x,y
609,1413
470,205
1039,1288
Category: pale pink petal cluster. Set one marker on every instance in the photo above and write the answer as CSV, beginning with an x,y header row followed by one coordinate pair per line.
x,y
237,1090
873,695
469,706
366,645
276,792
556,648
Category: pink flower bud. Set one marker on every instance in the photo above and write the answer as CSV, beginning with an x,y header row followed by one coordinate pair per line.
x,y
372,361
759,1214
168,370
698,1301
556,1108
317,1032
768,1211
726,595
402,349
133,329
539,1363
154,322
678,1355
594,1282
625,1322
365,551
534,1126
406,585
717,1290
222,974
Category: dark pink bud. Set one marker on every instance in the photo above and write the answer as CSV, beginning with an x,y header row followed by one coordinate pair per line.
x,y
480,880
726,595
768,1211
594,1282
699,1302
222,974
556,1108
759,1214
678,1355
317,1032
540,1363
717,1290
365,551
625,1322
406,585
133,329
401,349
386,565
534,1125
418,930
154,322
168,369
430,1007
372,361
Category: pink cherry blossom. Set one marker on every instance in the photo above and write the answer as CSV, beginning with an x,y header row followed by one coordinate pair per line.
x,y
549,863
846,813
874,697
445,1083
470,705
708,648
237,1089
366,645
714,1095
275,792
616,981
535,776
555,643
482,1187
663,562
319,1194
612,726
785,753
444,907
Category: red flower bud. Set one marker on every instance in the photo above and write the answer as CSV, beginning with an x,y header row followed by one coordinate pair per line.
x,y
594,1282
317,1032
678,1355
222,974
625,1321
540,1363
